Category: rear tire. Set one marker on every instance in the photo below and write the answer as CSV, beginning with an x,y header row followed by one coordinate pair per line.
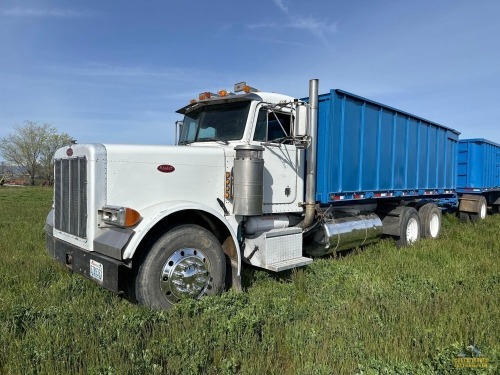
x,y
430,220
409,227
483,209
185,263
464,217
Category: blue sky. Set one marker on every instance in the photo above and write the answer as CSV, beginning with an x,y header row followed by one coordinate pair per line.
x,y
116,71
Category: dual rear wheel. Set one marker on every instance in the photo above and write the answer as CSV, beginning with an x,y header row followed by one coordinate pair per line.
x,y
424,223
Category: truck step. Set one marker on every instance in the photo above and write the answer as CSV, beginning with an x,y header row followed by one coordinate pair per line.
x,y
287,264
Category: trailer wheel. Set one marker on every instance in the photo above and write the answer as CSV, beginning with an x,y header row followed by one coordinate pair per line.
x,y
464,216
185,263
481,214
430,219
409,227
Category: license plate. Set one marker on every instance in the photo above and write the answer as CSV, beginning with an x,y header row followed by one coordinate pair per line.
x,y
96,270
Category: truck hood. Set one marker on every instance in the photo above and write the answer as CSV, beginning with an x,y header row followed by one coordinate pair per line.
x,y
140,176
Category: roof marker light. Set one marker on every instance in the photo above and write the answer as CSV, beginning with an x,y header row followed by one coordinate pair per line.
x,y
242,86
206,95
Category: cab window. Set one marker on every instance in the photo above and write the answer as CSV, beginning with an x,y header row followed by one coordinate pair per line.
x,y
272,126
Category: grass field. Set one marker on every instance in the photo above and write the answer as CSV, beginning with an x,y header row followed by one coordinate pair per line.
x,y
379,310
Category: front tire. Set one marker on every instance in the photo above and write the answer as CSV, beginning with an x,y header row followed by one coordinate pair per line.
x,y
185,263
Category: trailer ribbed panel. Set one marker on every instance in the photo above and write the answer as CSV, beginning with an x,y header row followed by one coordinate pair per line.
x,y
366,148
478,165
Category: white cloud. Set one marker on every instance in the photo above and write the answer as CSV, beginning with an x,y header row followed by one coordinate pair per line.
x,y
281,41
56,13
96,69
280,4
320,28
317,27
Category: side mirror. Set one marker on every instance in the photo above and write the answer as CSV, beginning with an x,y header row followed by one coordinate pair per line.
x,y
178,131
301,120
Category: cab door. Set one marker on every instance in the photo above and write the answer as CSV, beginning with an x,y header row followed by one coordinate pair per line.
x,y
283,162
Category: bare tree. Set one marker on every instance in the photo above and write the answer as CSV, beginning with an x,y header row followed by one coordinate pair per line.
x,y
52,143
31,147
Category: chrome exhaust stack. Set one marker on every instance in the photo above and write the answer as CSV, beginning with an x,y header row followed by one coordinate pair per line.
x,y
310,203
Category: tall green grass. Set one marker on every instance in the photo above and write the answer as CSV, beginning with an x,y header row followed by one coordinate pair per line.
x,y
379,310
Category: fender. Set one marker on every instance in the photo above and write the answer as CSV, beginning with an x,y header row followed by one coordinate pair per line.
x,y
154,214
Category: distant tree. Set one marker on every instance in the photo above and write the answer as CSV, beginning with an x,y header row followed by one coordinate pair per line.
x,y
32,146
52,143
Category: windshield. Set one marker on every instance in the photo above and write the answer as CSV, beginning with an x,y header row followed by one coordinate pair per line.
x,y
221,122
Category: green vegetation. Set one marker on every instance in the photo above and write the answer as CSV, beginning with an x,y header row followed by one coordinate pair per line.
x,y
379,310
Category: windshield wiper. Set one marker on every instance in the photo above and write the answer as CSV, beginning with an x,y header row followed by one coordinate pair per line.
x,y
213,140
185,142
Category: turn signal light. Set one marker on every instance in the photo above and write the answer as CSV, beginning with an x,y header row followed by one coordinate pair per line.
x,y
228,185
120,216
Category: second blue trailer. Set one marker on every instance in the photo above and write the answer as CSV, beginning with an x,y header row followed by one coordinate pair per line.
x,y
478,177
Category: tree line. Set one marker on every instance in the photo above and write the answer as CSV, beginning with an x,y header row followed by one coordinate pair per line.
x,y
31,147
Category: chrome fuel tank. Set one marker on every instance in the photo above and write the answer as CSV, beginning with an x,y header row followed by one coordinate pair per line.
x,y
345,233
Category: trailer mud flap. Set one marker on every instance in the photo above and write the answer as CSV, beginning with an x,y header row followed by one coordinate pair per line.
x,y
391,219
469,203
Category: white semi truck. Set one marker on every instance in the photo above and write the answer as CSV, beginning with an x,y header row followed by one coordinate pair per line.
x,y
245,184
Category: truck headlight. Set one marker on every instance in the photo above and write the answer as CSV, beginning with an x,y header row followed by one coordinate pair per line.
x,y
119,216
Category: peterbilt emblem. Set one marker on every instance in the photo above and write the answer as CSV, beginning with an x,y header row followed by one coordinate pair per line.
x,y
69,152
165,168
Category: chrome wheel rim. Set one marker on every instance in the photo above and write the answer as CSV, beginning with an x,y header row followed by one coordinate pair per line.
x,y
185,274
434,225
412,230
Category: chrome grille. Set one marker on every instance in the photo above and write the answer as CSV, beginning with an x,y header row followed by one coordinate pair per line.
x,y
70,196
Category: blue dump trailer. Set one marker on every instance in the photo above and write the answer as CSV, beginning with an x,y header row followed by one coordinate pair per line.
x,y
379,167
370,150
478,182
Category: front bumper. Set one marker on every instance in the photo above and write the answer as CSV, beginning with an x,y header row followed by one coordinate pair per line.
x,y
110,273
